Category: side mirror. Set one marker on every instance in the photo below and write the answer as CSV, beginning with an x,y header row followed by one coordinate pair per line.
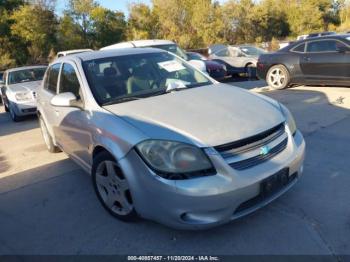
x,y
66,100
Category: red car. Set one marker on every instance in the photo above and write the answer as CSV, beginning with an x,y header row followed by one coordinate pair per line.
x,y
215,70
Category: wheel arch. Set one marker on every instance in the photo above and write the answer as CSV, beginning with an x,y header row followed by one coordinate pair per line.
x,y
99,149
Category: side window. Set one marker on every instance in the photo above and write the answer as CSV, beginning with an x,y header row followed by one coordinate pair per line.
x,y
223,52
52,78
322,46
69,81
299,48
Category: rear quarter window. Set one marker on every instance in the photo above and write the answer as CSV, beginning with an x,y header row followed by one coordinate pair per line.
x,y
299,48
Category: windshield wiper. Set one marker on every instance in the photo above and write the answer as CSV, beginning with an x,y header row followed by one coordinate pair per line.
x,y
121,100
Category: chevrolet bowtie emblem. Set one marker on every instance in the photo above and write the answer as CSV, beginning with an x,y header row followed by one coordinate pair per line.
x,y
264,150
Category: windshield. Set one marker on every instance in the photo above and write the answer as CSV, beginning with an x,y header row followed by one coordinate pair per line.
x,y
27,75
122,78
252,50
173,48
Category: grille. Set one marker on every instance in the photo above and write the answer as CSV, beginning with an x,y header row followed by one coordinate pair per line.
x,y
251,143
256,160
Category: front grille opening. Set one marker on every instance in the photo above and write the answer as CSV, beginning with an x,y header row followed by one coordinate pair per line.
x,y
258,139
256,160
255,201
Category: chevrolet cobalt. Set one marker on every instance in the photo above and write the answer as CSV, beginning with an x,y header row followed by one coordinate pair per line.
x,y
164,141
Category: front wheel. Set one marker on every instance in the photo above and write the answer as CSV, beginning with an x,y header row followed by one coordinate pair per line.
x,y
278,77
14,116
251,71
112,188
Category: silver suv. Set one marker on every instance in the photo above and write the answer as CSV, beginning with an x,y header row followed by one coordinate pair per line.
x,y
164,141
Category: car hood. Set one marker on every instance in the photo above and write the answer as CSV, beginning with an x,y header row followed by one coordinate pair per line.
x,y
207,116
25,86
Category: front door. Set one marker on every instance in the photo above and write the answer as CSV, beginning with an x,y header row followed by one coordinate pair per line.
x,y
73,128
324,61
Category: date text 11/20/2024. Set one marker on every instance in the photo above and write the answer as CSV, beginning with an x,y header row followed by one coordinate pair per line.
x,y
173,258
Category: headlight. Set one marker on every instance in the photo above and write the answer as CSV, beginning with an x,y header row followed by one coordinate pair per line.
x,y
24,96
174,160
224,67
289,119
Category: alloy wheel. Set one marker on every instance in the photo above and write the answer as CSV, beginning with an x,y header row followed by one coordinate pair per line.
x,y
277,78
113,188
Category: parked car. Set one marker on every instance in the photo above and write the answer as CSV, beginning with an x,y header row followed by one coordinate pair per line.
x,y
166,45
71,52
316,61
1,84
19,89
214,69
237,59
164,141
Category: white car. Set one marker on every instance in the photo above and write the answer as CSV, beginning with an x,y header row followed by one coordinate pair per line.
x,y
166,45
71,52
18,90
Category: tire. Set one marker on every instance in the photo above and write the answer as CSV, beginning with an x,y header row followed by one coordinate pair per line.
x,y
251,71
13,115
112,188
278,77
51,147
6,108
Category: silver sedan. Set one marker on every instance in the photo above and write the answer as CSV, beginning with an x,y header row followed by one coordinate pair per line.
x,y
164,141
18,90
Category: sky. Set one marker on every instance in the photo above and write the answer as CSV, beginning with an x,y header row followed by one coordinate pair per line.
x,y
121,5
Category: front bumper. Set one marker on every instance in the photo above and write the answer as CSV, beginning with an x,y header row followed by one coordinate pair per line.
x,y
208,201
24,109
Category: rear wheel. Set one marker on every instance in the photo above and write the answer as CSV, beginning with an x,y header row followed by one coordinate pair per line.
x,y
47,137
112,188
278,77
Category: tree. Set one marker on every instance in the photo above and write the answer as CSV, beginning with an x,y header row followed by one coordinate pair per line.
x,y
191,23
37,27
80,11
142,22
69,34
108,27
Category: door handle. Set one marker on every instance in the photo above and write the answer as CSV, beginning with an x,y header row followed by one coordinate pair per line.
x,y
307,59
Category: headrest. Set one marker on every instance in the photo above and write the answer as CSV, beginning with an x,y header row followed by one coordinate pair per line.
x,y
110,71
141,72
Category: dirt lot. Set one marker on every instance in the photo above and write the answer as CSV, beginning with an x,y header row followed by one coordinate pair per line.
x,y
47,204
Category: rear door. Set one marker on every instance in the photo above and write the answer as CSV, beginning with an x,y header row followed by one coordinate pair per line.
x,y
47,92
323,61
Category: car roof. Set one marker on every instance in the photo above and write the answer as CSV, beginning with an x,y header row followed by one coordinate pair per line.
x,y
67,52
336,36
25,68
139,43
108,53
